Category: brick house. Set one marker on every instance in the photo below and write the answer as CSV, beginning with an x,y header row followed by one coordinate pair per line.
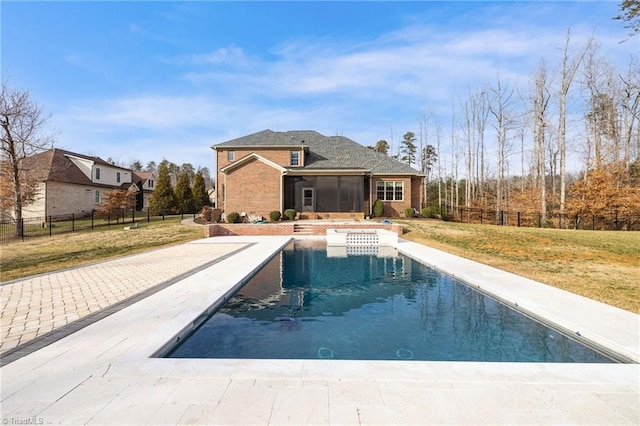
x,y
318,176
70,183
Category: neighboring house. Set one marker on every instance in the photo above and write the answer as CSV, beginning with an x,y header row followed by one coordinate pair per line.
x,y
145,183
318,176
211,192
70,183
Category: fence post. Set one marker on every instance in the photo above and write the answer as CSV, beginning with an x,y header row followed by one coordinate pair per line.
x,y
22,228
108,220
501,217
50,225
92,218
539,220
73,223
593,222
560,221
148,215
481,215
518,219
133,214
616,221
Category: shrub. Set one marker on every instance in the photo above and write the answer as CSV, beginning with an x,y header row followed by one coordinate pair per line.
x,y
216,215
408,212
290,214
275,216
233,217
378,208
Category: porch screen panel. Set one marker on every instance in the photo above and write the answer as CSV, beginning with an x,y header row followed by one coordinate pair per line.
x,y
351,190
327,195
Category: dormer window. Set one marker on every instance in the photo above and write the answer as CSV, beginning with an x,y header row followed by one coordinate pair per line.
x,y
295,158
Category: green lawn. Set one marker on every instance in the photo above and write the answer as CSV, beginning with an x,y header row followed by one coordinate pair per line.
x,y
602,265
46,254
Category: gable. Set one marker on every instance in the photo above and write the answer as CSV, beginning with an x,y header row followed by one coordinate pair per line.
x,y
249,159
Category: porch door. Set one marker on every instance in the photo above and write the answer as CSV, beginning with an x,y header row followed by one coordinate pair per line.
x,y
308,200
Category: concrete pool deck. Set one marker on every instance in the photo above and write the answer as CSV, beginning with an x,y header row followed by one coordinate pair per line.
x,y
103,373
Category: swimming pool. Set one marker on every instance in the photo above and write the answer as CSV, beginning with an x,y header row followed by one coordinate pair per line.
x,y
310,303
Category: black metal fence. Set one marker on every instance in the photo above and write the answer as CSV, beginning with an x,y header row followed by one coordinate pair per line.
x,y
609,222
12,230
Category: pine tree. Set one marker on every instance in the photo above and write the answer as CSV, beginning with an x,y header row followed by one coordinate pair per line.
x,y
184,195
409,148
163,199
200,195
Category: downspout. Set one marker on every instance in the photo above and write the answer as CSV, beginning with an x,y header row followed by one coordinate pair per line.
x,y
370,195
224,195
282,191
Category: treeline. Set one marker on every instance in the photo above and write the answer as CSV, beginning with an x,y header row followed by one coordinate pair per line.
x,y
567,141
179,189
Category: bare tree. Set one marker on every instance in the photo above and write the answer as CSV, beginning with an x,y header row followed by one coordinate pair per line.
x,y
630,110
540,122
501,109
23,135
569,68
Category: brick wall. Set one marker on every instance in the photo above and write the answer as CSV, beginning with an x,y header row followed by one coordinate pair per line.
x,y
396,208
253,187
287,228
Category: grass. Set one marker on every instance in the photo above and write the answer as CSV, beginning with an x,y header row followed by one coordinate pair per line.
x,y
601,265
45,254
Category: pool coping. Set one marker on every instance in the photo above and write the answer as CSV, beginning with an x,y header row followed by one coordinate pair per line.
x,y
103,373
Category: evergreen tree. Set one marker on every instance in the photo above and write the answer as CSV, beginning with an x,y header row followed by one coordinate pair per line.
x,y
200,195
163,199
382,146
409,148
136,166
184,194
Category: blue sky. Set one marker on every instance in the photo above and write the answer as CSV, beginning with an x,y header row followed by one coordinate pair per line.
x,y
155,80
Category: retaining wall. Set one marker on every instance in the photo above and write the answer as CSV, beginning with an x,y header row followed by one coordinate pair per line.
x,y
222,229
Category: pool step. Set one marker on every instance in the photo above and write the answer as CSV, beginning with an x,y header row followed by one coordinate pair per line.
x,y
303,229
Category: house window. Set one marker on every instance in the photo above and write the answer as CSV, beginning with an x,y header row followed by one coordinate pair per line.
x,y
150,183
97,197
295,158
97,173
390,191
118,177
231,155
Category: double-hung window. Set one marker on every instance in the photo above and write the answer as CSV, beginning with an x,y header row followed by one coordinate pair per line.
x,y
295,158
390,190
97,173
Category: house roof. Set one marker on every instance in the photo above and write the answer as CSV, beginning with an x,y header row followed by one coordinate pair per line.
x,y
323,152
55,165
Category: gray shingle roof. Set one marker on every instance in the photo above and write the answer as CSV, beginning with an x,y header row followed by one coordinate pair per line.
x,y
324,152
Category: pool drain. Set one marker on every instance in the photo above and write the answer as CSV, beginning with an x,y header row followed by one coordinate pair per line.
x,y
404,354
326,353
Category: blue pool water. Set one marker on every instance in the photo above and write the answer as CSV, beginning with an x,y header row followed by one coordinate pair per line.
x,y
307,304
